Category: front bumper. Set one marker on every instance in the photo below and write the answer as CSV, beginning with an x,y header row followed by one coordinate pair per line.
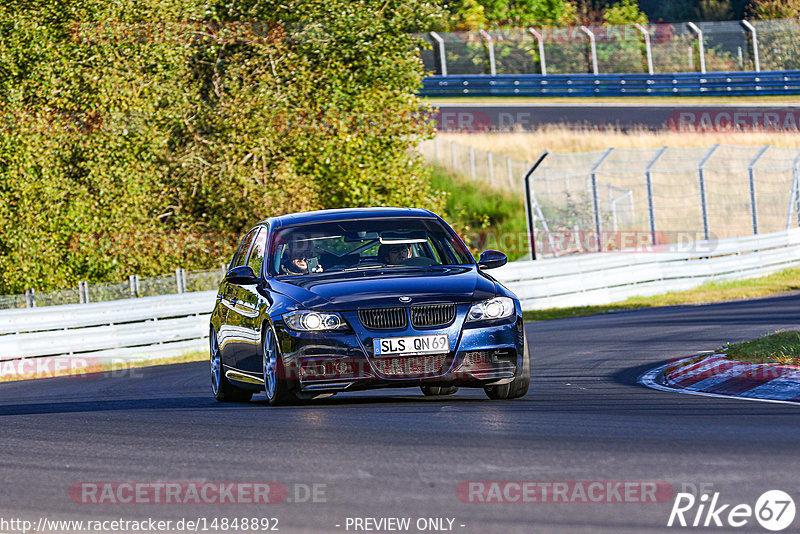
x,y
481,354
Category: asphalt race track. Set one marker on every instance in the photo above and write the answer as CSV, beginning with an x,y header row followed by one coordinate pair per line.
x,y
394,453
669,116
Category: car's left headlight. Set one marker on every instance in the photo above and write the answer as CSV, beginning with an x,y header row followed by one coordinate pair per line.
x,y
311,321
489,310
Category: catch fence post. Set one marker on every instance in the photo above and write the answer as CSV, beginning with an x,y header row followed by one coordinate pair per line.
x,y
133,282
647,47
701,45
540,41
595,199
442,57
529,207
30,298
754,35
490,46
794,194
83,292
648,176
752,179
472,163
702,182
593,45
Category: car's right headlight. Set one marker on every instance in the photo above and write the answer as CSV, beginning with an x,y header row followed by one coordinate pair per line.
x,y
489,310
311,321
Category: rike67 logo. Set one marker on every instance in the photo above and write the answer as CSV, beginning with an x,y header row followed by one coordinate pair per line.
x,y
774,510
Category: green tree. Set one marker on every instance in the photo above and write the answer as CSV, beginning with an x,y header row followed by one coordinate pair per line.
x,y
774,9
127,141
624,12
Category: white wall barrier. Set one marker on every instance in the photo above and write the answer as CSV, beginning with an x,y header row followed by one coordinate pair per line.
x,y
121,330
157,327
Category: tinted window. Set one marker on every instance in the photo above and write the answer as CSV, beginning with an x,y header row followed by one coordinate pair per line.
x,y
244,247
366,243
257,252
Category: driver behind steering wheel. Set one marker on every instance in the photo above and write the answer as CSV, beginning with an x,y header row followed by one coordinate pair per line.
x,y
395,254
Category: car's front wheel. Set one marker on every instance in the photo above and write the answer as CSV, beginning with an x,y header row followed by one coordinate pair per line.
x,y
223,390
276,385
517,387
430,391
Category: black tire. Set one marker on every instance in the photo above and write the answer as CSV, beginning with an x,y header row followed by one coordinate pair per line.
x,y
223,390
430,391
276,386
517,387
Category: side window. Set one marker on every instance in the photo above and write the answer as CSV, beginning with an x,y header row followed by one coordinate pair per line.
x,y
257,252
244,247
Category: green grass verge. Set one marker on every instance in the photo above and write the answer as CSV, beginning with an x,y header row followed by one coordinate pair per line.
x,y
488,218
788,280
655,100
780,347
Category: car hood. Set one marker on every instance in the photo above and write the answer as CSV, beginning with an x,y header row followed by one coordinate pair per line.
x,y
383,287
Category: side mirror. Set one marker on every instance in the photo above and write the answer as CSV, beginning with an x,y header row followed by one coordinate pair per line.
x,y
491,259
242,275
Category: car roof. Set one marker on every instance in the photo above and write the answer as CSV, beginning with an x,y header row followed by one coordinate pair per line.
x,y
344,214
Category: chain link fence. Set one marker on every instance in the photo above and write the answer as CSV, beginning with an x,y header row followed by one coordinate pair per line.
x,y
623,198
168,284
651,48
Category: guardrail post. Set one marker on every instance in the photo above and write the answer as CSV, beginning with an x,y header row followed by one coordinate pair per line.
x,y
436,149
754,35
595,199
30,298
528,207
648,176
751,175
540,41
702,181
491,167
133,282
510,172
593,46
701,47
453,154
442,57
647,47
490,46
472,163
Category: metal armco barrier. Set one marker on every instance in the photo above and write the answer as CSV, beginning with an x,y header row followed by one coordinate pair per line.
x,y
603,278
559,85
156,327
148,327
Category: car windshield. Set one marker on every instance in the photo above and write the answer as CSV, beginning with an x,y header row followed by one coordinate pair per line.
x,y
365,244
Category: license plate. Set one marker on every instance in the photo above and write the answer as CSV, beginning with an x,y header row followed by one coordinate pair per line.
x,y
410,346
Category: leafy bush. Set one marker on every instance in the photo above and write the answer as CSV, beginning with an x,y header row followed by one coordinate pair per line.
x,y
131,145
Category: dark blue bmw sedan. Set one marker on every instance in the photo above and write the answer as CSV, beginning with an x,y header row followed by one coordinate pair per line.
x,y
331,301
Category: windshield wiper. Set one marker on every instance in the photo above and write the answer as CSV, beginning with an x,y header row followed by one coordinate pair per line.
x,y
364,267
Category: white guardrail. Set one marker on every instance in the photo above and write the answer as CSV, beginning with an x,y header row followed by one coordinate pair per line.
x,y
121,330
163,326
603,278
